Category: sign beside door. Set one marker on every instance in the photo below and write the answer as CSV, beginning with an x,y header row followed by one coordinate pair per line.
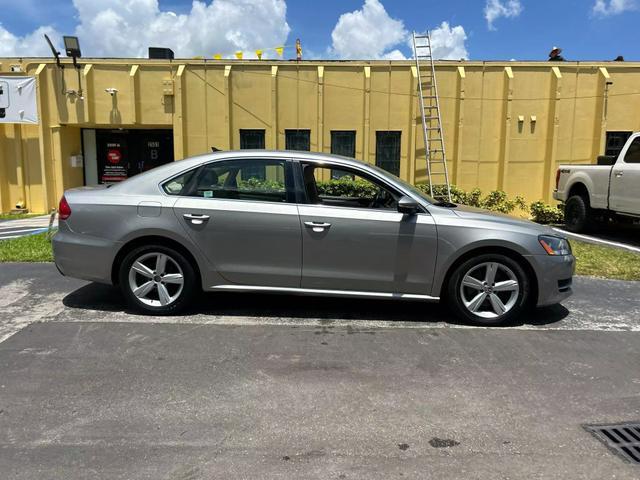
x,y
121,154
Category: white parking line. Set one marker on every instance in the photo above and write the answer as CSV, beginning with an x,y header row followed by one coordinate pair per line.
x,y
591,239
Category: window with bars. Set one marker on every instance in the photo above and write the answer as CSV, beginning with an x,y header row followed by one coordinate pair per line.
x,y
297,140
343,142
253,139
388,151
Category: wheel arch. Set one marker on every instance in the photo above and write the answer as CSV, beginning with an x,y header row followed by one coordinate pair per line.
x,y
482,250
581,189
151,240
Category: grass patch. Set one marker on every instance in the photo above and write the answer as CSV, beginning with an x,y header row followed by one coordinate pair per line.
x,y
605,262
18,216
32,248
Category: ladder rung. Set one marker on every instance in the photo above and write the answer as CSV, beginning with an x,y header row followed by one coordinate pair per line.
x,y
433,128
421,36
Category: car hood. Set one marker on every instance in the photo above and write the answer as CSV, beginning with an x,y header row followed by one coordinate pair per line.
x,y
474,213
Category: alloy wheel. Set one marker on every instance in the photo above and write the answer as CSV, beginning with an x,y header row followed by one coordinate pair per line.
x,y
156,279
489,290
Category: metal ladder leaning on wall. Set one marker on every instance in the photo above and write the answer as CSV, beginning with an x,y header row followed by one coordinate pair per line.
x,y
431,119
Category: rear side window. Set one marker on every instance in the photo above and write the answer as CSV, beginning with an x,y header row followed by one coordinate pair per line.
x,y
178,185
633,152
255,180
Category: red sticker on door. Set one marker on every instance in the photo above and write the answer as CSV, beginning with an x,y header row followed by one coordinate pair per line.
x,y
114,156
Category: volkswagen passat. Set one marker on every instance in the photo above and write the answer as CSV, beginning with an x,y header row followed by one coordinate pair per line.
x,y
306,223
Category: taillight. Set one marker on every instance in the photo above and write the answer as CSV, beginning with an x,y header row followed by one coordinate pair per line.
x,y
64,210
557,178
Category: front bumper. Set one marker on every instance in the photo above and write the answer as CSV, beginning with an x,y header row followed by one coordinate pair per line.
x,y
555,274
83,256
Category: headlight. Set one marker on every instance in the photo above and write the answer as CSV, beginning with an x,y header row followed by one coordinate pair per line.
x,y
555,245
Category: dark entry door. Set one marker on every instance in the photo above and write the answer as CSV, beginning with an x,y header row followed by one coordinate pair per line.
x,y
124,153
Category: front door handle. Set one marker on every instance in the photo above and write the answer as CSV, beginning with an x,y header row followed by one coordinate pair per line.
x,y
195,218
317,226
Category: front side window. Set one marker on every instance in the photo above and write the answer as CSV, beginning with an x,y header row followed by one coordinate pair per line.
x,y
350,189
633,152
234,180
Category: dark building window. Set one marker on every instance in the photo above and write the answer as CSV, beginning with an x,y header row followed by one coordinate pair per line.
x,y
615,142
388,151
251,139
343,142
298,140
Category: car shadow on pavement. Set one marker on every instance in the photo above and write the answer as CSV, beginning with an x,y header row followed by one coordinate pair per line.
x,y
98,297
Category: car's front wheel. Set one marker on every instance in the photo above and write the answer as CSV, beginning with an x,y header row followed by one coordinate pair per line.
x,y
490,289
157,280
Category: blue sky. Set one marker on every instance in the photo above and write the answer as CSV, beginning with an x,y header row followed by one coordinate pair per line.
x,y
526,30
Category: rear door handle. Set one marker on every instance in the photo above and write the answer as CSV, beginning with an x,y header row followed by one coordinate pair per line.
x,y
618,173
317,226
195,218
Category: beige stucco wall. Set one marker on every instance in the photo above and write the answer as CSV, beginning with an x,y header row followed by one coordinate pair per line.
x,y
208,102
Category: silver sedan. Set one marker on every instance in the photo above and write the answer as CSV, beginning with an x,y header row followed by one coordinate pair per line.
x,y
303,223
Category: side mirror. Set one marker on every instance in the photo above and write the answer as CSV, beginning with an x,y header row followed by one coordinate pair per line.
x,y
407,205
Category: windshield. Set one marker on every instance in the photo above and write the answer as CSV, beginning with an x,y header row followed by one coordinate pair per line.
x,y
407,185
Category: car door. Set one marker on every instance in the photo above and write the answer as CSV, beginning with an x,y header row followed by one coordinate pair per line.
x,y
240,214
355,239
625,180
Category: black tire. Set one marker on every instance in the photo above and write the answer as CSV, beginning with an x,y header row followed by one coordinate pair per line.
x,y
521,300
577,214
183,298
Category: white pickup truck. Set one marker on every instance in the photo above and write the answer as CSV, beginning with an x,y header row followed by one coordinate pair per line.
x,y
609,190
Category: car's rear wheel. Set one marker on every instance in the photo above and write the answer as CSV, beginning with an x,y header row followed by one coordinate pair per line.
x,y
577,214
490,289
157,280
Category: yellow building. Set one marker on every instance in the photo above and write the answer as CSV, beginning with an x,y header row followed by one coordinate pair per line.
x,y
507,125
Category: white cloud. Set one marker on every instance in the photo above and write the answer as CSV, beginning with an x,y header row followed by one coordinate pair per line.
x,y
613,7
495,9
126,28
449,43
32,44
368,33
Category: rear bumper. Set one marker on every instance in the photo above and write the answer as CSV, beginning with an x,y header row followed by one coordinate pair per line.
x,y
557,196
84,257
555,275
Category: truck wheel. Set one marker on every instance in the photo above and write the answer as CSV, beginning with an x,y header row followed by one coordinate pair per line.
x,y
577,214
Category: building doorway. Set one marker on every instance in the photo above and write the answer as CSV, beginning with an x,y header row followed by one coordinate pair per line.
x,y
112,156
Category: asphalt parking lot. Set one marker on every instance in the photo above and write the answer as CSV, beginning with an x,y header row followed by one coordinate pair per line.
x,y
251,386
